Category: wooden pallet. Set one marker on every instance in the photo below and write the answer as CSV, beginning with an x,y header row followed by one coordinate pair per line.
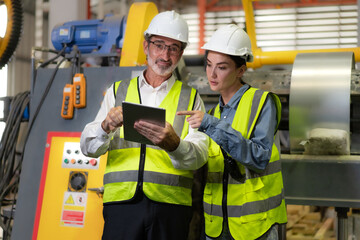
x,y
303,224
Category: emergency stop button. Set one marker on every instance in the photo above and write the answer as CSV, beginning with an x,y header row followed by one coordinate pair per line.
x,y
93,162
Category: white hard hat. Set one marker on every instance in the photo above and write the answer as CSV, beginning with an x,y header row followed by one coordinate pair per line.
x,y
169,24
231,40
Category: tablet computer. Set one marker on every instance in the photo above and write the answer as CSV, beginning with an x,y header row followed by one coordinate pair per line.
x,y
133,112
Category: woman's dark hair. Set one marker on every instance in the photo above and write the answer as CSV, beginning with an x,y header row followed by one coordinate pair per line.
x,y
239,61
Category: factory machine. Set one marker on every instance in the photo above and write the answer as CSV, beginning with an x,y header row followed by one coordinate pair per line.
x,y
60,189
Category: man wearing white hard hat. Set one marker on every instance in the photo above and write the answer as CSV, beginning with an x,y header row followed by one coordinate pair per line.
x,y
244,193
147,188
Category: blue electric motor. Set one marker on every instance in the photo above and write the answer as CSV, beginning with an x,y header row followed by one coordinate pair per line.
x,y
98,36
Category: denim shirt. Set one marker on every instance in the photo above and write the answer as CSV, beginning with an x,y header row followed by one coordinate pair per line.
x,y
253,153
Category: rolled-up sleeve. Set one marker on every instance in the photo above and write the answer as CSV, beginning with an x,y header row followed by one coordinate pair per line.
x,y
94,140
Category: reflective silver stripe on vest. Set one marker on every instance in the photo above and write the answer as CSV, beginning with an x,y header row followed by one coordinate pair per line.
x,y
168,179
121,92
254,107
123,176
183,104
120,143
212,209
256,207
150,177
271,168
247,208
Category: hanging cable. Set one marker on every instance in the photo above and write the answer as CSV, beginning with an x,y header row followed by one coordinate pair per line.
x,y
47,89
44,64
10,160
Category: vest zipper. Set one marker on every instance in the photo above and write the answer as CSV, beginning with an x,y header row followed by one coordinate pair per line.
x,y
225,193
141,167
142,152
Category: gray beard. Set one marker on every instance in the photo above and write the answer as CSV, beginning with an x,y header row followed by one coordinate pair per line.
x,y
162,71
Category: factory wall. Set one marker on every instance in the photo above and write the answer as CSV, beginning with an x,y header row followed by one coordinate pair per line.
x,y
276,29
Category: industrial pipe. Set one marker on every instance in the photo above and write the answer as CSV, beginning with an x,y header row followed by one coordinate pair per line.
x,y
278,57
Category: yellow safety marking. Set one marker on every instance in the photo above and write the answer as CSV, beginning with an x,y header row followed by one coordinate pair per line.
x,y
70,200
74,208
138,20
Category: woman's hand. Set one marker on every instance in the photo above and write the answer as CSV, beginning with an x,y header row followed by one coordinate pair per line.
x,y
195,118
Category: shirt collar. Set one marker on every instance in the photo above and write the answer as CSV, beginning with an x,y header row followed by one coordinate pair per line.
x,y
234,101
166,85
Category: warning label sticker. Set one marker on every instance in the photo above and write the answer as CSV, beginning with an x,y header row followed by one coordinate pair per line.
x,y
70,200
73,211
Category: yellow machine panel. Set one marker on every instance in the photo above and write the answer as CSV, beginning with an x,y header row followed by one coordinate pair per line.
x,y
70,201
139,18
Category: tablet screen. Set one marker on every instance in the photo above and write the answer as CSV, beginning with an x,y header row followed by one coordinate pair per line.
x,y
133,112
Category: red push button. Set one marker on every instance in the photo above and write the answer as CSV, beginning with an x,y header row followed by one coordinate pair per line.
x,y
93,162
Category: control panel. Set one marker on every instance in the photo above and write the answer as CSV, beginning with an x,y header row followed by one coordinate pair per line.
x,y
73,157
79,83
67,108
70,194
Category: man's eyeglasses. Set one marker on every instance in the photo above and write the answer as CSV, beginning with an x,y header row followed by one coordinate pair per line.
x,y
161,47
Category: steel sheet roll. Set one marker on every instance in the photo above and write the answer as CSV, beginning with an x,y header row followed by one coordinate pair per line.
x,y
319,95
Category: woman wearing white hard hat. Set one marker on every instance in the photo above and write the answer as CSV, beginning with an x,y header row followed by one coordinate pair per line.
x,y
244,195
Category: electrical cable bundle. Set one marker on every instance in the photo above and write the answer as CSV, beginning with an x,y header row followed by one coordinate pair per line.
x,y
10,164
48,86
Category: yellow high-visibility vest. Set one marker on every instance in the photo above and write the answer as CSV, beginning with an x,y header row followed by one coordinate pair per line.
x,y
132,166
253,206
